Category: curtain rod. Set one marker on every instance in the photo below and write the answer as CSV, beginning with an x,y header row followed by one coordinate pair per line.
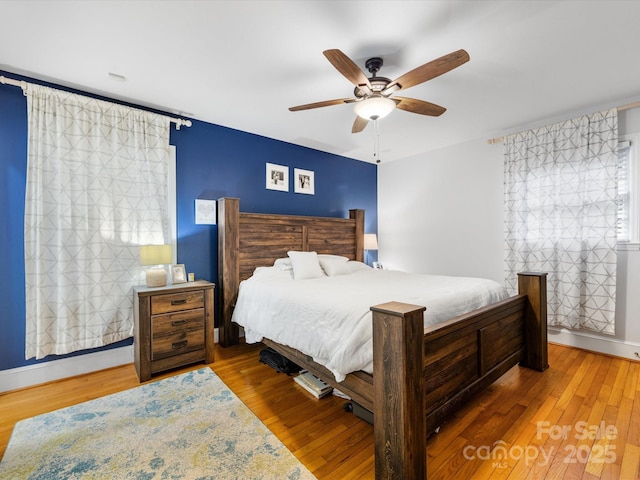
x,y
22,84
628,106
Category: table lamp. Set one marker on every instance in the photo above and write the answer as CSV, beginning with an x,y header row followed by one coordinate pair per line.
x,y
370,243
158,255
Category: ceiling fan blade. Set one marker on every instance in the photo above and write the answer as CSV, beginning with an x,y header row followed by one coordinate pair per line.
x,y
348,68
419,106
326,103
359,124
428,71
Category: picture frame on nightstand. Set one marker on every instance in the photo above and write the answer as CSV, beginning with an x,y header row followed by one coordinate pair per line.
x,y
178,273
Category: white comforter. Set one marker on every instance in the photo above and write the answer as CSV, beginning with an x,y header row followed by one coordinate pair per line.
x,y
329,318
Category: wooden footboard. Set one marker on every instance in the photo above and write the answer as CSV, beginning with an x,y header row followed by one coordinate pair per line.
x,y
455,360
466,354
419,382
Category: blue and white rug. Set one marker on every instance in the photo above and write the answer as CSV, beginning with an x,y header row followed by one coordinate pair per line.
x,y
190,426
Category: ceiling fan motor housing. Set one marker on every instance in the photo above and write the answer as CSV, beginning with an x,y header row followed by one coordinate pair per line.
x,y
374,65
377,83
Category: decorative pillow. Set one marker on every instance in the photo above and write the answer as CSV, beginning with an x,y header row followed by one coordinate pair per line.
x,y
351,266
305,265
334,257
354,266
283,264
332,264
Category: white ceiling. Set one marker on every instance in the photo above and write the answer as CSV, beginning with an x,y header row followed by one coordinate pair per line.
x,y
242,63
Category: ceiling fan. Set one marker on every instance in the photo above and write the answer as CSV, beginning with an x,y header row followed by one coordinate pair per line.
x,y
373,95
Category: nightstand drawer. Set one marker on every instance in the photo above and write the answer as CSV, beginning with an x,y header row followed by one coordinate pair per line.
x,y
182,342
171,323
174,302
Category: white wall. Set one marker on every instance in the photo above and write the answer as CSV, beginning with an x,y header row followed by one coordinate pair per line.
x,y
442,213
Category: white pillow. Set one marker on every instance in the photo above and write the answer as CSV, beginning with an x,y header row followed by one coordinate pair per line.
x,y
283,264
330,257
351,266
354,266
332,264
305,265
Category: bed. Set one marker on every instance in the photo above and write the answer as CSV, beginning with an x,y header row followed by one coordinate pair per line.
x,y
321,305
420,375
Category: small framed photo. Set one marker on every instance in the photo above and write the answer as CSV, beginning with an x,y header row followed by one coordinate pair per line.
x,y
277,177
304,181
178,274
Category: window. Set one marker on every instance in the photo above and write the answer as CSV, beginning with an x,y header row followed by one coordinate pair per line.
x,y
628,193
103,169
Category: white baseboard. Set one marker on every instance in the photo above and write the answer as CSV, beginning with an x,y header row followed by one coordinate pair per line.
x,y
38,373
595,343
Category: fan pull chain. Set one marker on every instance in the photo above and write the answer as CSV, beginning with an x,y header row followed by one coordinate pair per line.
x,y
376,141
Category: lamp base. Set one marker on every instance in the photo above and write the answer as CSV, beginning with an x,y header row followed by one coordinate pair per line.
x,y
156,277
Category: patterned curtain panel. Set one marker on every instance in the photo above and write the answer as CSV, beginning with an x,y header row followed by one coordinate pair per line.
x,y
96,190
561,213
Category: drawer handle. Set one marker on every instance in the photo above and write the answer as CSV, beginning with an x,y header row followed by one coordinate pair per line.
x,y
182,301
179,345
177,323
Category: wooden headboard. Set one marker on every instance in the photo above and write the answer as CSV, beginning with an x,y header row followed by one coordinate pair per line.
x,y
250,240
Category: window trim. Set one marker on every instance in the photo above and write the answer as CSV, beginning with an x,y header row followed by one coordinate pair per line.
x,y
634,197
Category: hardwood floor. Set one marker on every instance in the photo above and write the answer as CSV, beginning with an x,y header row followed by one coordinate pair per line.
x,y
578,420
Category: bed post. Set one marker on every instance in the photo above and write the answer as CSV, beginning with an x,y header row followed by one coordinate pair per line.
x,y
228,268
358,216
534,286
400,423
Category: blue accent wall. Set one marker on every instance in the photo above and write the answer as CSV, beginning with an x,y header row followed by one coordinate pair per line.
x,y
212,162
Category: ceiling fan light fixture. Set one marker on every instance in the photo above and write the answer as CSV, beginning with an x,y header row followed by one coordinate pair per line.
x,y
374,108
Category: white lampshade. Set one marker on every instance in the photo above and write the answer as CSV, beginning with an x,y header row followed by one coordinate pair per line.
x,y
374,108
155,255
370,241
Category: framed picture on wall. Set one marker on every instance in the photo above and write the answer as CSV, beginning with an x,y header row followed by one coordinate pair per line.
x,y
277,177
205,212
304,182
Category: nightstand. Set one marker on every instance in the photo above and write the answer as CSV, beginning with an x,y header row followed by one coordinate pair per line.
x,y
173,326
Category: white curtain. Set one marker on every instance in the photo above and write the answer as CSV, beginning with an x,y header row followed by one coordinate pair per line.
x,y
561,214
96,190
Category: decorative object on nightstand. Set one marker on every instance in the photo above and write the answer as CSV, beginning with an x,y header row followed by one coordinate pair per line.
x,y
158,255
178,273
370,243
173,326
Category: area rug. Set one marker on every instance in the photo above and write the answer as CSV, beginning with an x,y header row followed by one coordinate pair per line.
x,y
190,426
